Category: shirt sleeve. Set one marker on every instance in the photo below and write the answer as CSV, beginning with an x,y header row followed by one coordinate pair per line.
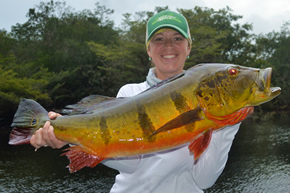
x,y
210,165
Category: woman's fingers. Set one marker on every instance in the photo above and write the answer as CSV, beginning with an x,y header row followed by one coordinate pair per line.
x,y
52,115
45,137
36,139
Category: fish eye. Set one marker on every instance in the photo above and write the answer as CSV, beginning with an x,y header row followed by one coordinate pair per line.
x,y
233,71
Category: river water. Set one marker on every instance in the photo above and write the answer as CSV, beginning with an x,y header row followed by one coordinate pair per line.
x,y
259,161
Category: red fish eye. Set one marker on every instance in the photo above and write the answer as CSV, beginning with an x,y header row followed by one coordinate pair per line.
x,y
233,71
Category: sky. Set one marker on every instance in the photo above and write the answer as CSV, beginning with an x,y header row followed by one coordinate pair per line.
x,y
265,15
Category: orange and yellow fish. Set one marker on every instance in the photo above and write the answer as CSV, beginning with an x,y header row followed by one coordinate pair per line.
x,y
184,109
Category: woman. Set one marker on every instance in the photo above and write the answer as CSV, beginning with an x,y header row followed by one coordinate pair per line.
x,y
168,45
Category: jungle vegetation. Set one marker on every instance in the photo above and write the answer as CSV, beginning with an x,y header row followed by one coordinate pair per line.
x,y
59,55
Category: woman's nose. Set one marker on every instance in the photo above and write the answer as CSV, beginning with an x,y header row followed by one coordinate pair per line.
x,y
168,44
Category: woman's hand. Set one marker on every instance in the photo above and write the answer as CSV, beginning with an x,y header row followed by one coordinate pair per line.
x,y
45,136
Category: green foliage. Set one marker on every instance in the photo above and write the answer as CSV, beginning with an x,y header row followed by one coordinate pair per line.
x,y
17,83
122,63
55,37
217,37
59,55
274,52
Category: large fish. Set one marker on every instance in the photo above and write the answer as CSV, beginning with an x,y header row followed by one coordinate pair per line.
x,y
184,109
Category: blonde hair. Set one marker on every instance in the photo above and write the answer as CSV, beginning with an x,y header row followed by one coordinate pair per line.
x,y
163,30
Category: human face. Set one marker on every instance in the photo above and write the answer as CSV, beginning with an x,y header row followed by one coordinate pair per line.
x,y
168,50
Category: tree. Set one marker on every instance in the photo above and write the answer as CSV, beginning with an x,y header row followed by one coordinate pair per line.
x,y
59,55
54,37
279,60
217,37
15,85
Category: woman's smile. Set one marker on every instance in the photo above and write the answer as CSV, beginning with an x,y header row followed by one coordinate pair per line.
x,y
169,56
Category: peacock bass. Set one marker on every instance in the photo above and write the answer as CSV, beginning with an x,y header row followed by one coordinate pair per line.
x,y
184,109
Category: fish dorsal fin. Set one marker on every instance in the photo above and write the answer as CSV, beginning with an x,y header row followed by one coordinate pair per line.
x,y
89,104
164,82
181,120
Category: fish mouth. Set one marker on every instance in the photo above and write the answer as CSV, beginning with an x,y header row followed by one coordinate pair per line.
x,y
263,82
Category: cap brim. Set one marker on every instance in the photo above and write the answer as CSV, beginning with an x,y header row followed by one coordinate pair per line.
x,y
167,26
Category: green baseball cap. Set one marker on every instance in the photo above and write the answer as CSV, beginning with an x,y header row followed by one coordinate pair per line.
x,y
168,19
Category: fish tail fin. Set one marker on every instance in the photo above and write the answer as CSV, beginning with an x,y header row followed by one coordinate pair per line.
x,y
29,117
79,158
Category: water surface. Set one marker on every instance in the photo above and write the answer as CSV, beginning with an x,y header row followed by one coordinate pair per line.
x,y
258,162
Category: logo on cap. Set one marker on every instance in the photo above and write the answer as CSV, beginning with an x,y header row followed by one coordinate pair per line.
x,y
161,18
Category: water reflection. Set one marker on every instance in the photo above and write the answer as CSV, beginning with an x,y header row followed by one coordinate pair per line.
x,y
259,159
23,170
258,162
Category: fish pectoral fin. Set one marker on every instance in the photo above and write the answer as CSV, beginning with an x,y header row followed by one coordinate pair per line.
x,y
79,158
198,146
181,120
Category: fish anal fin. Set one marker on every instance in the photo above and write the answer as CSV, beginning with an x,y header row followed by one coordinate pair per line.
x,y
19,136
80,158
181,120
198,146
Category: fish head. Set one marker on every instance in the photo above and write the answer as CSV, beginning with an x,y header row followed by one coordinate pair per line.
x,y
226,88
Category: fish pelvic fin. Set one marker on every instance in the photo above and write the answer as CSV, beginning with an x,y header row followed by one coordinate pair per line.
x,y
198,146
181,120
79,158
28,118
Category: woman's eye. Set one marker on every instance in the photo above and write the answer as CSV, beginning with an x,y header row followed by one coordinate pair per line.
x,y
178,38
158,39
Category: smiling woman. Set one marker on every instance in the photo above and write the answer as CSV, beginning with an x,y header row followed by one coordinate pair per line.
x,y
168,43
168,50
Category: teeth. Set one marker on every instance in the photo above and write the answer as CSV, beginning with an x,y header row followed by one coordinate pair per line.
x,y
168,56
268,73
